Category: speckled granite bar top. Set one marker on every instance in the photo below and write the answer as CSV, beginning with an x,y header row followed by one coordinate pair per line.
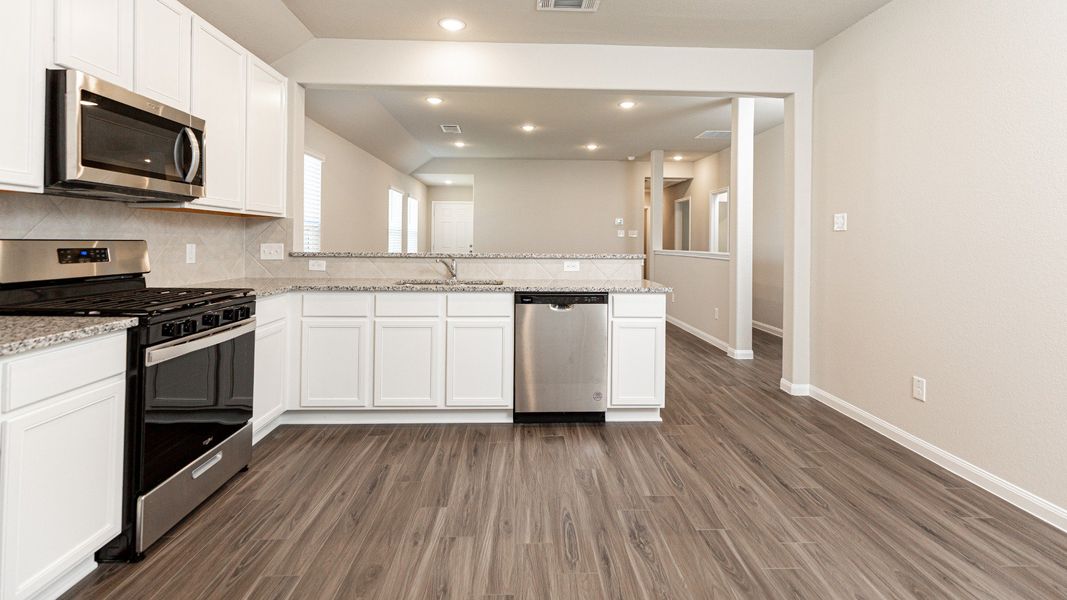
x,y
22,334
267,286
504,255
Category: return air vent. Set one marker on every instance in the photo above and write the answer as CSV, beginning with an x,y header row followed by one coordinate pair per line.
x,y
569,5
455,129
714,134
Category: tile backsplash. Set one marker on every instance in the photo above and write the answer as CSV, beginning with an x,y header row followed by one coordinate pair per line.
x,y
228,247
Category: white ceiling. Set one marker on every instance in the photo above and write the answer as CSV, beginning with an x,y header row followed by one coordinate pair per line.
x,y
402,129
700,23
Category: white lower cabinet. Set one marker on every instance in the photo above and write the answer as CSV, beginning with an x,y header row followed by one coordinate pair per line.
x,y
480,362
61,485
638,356
408,362
335,362
271,383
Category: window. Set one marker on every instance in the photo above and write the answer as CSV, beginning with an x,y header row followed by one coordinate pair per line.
x,y
396,220
413,224
312,203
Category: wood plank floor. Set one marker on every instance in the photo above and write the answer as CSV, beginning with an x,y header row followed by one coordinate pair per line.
x,y
742,492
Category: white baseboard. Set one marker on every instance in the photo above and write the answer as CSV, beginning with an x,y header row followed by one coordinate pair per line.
x,y
1039,507
67,580
393,417
265,429
707,337
632,415
740,354
771,329
795,389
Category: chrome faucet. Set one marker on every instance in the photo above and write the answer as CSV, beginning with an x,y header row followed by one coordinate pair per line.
x,y
453,268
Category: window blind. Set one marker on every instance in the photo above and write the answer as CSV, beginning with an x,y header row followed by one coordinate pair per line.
x,y
413,224
396,220
312,203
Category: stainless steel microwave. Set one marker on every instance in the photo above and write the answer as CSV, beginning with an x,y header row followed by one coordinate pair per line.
x,y
104,141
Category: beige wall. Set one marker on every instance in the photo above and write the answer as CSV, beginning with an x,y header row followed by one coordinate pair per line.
x,y
768,226
932,119
355,206
549,205
700,286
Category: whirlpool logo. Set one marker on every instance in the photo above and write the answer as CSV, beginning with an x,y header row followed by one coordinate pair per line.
x,y
597,396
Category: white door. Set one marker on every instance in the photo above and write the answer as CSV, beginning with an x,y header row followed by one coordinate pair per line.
x,y
62,485
162,36
637,362
480,362
96,36
267,128
335,362
453,227
22,31
408,362
272,364
218,97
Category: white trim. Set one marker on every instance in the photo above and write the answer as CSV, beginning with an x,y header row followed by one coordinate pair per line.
x,y
794,389
58,586
689,208
266,428
771,329
740,354
703,335
632,415
694,254
393,417
1039,507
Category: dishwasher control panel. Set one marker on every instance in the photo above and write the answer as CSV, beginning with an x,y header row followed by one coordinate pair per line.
x,y
522,298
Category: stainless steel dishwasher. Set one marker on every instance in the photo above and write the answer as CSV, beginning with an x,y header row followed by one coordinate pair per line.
x,y
561,357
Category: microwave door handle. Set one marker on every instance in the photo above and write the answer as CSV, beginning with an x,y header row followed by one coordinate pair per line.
x,y
177,153
194,145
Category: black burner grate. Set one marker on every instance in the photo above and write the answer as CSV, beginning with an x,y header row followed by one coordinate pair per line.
x,y
144,301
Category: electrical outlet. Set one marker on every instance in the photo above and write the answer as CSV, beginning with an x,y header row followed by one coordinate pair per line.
x,y
674,297
632,233
572,266
716,313
620,233
316,265
272,251
841,222
918,388
190,254
619,221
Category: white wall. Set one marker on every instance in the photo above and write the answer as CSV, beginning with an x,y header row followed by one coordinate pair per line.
x,y
941,130
548,205
355,207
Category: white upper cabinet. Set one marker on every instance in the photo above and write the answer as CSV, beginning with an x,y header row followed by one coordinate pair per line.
x,y
95,36
22,103
162,35
267,153
218,96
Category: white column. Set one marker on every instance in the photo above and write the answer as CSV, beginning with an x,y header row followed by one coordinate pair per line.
x,y
741,177
796,317
655,211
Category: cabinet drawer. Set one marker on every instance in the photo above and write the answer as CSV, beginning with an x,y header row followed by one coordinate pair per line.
x,y
481,305
51,372
338,305
404,304
639,305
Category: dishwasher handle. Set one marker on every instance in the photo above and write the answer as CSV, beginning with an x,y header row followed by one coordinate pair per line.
x,y
561,307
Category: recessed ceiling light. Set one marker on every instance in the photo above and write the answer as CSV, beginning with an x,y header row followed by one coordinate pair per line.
x,y
627,104
529,127
677,157
631,158
459,144
591,147
148,160
448,182
434,100
451,24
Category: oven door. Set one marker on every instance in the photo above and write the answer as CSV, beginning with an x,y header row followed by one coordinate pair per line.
x,y
197,393
106,141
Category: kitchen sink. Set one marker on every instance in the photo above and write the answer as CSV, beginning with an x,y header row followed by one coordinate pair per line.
x,y
450,282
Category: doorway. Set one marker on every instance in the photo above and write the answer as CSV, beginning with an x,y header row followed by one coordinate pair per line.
x,y
453,227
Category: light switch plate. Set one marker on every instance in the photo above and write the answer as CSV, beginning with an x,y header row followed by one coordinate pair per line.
x,y
316,265
632,233
619,221
840,221
620,233
272,251
572,266
918,389
190,254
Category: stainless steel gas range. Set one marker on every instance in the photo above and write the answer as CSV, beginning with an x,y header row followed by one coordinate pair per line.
x,y
190,363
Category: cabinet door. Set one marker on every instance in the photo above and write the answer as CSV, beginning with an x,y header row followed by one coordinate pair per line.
x,y
637,362
218,97
62,486
272,363
408,362
335,362
480,363
96,36
162,35
267,134
22,31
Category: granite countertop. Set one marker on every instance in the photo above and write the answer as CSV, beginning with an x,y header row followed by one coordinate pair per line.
x,y
268,286
22,334
513,255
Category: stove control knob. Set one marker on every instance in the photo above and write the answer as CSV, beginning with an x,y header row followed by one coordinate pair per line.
x,y
211,320
188,327
244,312
229,314
172,329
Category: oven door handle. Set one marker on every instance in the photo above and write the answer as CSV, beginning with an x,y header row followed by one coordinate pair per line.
x,y
172,350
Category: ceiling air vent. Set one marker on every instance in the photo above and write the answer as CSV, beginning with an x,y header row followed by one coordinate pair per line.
x,y
569,5
714,134
455,129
